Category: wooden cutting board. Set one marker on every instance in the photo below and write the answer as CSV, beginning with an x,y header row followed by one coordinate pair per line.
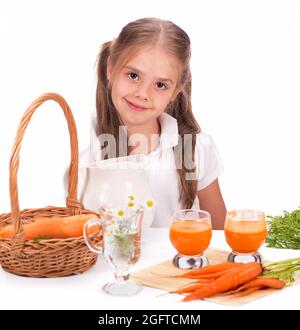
x,y
160,276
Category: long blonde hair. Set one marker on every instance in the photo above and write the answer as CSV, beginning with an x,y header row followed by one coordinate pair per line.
x,y
136,34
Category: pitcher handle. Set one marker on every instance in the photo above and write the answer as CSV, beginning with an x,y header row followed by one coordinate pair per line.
x,y
89,224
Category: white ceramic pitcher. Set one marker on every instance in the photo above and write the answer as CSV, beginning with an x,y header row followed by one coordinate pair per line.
x,y
109,183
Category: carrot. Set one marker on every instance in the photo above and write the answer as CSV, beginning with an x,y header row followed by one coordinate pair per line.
x,y
55,227
248,291
209,269
270,282
189,288
208,276
203,280
232,279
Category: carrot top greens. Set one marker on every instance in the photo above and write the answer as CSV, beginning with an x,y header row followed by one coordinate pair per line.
x,y
286,270
284,230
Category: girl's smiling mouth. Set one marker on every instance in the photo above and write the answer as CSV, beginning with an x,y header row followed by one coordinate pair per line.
x,y
135,107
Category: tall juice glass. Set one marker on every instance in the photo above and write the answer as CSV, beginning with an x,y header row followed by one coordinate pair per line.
x,y
121,231
245,232
190,234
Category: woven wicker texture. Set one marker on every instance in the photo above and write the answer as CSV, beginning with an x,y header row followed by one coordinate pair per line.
x,y
45,257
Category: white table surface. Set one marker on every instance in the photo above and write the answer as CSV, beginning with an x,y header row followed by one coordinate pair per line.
x,y
84,291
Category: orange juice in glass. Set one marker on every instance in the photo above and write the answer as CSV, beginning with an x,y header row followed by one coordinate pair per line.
x,y
190,234
245,232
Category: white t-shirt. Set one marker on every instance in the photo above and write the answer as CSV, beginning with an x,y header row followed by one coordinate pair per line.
x,y
161,170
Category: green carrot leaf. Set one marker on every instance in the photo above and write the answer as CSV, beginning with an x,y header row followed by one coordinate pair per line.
x,y
284,230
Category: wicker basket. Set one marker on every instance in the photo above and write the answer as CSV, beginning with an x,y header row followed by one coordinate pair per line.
x,y
48,257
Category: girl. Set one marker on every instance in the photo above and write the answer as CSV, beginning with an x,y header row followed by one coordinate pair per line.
x,y
144,86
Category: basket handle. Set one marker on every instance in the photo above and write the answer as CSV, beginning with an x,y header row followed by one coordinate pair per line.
x,y
71,200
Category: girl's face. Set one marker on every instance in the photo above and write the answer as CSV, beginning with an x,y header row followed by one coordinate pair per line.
x,y
144,86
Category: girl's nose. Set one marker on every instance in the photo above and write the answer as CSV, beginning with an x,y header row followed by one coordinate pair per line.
x,y
142,92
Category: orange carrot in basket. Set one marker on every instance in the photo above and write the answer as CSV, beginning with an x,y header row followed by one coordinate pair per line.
x,y
47,227
210,269
232,279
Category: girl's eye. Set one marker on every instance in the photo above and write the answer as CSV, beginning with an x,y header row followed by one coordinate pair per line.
x,y
135,76
161,85
132,75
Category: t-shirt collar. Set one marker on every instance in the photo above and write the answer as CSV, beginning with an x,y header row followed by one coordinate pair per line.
x,y
169,131
168,136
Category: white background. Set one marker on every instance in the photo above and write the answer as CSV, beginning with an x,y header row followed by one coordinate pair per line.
x,y
246,84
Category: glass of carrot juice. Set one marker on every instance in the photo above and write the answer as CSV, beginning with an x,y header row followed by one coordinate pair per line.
x,y
245,231
190,234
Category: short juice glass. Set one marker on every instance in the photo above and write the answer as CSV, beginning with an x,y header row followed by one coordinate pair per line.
x,y
245,232
190,234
